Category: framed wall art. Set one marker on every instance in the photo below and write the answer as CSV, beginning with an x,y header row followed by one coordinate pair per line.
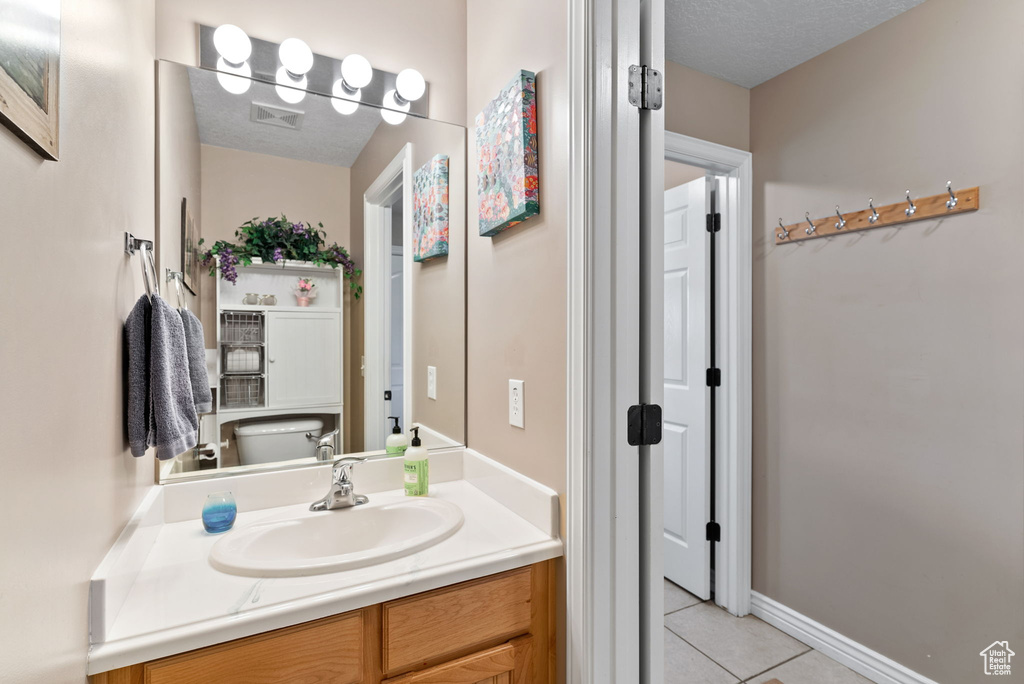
x,y
508,179
430,209
30,72
189,250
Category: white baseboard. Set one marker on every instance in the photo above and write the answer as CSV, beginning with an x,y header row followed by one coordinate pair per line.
x,y
857,657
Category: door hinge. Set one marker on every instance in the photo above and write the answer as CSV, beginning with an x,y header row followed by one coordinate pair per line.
x,y
645,87
714,377
714,222
643,425
714,531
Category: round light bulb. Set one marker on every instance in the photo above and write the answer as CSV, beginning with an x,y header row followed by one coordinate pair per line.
x,y
232,44
344,102
289,89
393,112
295,56
356,71
410,85
235,80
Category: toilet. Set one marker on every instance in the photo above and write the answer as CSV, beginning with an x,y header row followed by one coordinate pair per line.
x,y
268,441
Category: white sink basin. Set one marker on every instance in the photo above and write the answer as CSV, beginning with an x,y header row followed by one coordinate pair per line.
x,y
330,541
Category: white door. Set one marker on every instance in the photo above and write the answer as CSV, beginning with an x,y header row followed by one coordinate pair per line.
x,y
397,352
303,359
685,433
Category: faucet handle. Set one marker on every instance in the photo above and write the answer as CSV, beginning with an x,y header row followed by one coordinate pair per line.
x,y
343,470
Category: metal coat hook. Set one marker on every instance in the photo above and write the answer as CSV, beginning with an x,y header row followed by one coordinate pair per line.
x,y
909,211
842,222
785,233
807,216
951,202
874,214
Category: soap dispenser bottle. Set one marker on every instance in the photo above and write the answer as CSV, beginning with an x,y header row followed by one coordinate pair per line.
x,y
417,467
397,442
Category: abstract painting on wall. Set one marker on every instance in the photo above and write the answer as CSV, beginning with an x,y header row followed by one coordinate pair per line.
x,y
508,180
430,209
30,72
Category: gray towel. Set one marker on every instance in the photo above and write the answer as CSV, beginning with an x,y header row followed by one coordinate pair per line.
x,y
174,424
161,410
136,344
196,348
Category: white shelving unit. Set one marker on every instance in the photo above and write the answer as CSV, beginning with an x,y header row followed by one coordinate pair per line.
x,y
282,359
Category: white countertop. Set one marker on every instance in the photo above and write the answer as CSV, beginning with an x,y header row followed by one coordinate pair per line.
x,y
173,601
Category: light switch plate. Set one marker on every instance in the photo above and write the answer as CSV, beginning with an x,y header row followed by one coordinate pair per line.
x,y
516,404
432,382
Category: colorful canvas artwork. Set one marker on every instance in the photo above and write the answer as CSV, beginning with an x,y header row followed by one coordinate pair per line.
x,y
430,209
508,181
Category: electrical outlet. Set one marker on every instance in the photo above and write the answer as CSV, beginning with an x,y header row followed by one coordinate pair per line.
x,y
432,382
516,404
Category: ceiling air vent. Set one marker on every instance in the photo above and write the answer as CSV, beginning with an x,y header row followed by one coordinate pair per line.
x,y
276,116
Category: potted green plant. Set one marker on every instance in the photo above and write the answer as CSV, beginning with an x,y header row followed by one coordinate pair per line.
x,y
275,240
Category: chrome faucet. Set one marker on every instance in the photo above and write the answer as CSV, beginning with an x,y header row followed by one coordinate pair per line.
x,y
342,493
325,448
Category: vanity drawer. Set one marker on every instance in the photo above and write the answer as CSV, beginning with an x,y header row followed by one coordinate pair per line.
x,y
327,651
509,663
440,624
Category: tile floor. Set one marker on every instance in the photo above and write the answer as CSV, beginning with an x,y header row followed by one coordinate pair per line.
x,y
706,645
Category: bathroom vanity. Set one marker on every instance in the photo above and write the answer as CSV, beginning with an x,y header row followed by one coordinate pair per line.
x,y
495,629
474,606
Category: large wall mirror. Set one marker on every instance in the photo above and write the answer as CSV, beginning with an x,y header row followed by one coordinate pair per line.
x,y
287,366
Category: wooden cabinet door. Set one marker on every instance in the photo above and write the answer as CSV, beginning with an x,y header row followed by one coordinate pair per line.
x,y
303,359
509,663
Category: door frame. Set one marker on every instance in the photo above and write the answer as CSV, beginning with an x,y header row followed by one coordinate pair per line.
x,y
734,322
602,524
394,182
603,616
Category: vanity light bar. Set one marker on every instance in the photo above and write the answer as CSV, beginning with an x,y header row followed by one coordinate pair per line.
x,y
384,90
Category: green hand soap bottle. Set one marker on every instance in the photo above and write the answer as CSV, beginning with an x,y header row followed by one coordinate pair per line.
x,y
417,467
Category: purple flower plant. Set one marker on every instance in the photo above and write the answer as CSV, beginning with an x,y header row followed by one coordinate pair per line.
x,y
277,255
227,265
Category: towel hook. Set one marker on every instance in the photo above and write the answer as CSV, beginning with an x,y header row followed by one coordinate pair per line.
x,y
807,217
178,278
909,211
951,202
842,222
148,262
874,214
784,235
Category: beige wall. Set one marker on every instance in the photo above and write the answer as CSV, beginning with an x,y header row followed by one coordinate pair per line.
x,y
237,186
516,293
69,483
888,366
705,107
438,331
392,34
178,172
677,174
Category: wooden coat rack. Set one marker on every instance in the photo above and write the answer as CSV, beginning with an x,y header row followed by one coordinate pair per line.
x,y
937,206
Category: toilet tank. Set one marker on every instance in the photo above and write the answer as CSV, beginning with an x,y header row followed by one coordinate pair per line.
x,y
268,441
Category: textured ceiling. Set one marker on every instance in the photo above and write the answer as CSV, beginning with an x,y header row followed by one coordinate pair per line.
x,y
325,136
748,42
